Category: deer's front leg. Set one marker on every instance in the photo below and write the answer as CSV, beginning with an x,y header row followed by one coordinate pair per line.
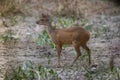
x,y
59,48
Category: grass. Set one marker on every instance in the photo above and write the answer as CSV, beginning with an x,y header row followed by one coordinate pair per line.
x,y
11,7
101,71
45,40
103,74
8,38
63,22
28,71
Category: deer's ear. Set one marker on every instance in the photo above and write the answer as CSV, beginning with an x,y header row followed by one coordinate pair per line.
x,y
47,15
44,16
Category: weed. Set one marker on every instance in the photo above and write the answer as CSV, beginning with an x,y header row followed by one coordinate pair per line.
x,y
102,73
45,39
8,38
64,22
28,71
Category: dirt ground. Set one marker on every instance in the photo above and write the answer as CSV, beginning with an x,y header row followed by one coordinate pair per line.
x,y
102,46
103,24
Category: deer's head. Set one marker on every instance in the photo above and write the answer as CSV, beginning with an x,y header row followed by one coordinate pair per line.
x,y
45,19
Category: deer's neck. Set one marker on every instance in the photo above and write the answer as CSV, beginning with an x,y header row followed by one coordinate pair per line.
x,y
50,28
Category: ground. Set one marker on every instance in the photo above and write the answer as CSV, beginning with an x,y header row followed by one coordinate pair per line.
x,y
102,44
101,18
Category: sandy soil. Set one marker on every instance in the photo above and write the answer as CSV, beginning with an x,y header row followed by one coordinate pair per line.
x,y
102,47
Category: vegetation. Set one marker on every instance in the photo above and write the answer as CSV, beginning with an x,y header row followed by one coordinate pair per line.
x,y
102,74
8,38
28,71
9,6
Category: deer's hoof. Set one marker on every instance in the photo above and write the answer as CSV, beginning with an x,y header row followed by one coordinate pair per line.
x,y
58,66
71,65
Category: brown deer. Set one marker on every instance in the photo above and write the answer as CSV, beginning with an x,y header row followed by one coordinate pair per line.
x,y
77,36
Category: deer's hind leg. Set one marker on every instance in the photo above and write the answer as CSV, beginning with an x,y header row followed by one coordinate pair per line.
x,y
77,49
88,51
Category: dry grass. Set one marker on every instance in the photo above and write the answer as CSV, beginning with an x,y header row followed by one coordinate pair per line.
x,y
71,8
10,6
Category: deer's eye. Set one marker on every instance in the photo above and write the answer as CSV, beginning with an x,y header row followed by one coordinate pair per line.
x,y
42,19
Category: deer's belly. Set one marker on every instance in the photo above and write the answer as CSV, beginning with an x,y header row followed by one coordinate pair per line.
x,y
66,41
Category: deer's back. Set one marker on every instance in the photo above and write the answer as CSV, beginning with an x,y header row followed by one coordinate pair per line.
x,y
66,36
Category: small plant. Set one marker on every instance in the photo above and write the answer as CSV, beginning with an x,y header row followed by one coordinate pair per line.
x,y
45,39
65,22
28,71
8,38
102,73
84,22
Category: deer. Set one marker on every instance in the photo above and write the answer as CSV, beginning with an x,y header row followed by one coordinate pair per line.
x,y
75,36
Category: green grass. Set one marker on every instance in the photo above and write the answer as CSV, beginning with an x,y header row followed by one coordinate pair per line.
x,y
7,36
28,71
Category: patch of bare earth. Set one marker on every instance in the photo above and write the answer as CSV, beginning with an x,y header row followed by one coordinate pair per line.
x,y
103,44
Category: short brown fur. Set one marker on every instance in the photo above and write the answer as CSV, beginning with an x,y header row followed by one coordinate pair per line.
x,y
77,36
